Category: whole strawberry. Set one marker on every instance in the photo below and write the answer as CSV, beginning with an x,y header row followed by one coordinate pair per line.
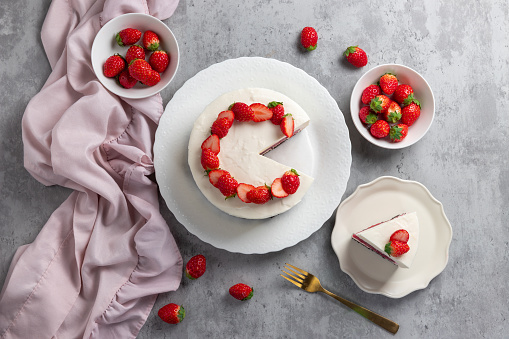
x,y
380,103
278,111
309,38
220,127
172,313
367,116
209,159
380,129
410,113
290,181
242,111
134,52
388,83
113,66
128,36
393,113
126,80
152,78
196,267
356,56
369,93
227,185
398,132
159,60
396,248
139,69
241,291
150,41
259,195
403,93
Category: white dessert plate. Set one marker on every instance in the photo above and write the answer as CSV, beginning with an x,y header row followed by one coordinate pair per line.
x,y
422,92
381,200
105,46
322,150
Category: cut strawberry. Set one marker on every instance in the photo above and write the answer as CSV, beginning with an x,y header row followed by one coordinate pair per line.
x,y
261,112
214,176
400,235
228,115
277,189
242,190
212,143
287,125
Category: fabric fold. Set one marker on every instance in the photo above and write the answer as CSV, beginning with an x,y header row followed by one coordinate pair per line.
x,y
98,264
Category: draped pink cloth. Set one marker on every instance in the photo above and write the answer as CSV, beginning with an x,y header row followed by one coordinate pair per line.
x,y
96,267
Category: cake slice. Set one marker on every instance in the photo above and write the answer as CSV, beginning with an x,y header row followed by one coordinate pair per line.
x,y
377,237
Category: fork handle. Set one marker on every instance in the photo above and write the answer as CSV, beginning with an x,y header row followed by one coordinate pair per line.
x,y
387,324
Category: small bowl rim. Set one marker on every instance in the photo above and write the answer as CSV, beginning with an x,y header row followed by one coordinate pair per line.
x,y
361,128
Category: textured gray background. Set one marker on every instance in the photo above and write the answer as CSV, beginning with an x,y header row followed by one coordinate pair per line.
x,y
463,52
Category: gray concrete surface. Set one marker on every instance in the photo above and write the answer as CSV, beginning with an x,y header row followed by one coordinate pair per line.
x,y
463,52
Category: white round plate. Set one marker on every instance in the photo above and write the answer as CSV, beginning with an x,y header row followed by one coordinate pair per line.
x,y
381,200
105,46
422,92
324,147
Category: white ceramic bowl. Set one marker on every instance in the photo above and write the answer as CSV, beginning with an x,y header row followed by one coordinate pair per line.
x,y
105,45
422,92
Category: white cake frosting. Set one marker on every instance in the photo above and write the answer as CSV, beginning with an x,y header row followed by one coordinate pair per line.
x,y
378,236
241,153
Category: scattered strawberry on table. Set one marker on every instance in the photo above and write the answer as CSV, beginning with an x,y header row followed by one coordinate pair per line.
x,y
391,108
309,38
356,56
147,73
241,291
172,313
196,267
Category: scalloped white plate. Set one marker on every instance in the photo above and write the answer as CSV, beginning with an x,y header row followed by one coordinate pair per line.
x,y
324,147
380,200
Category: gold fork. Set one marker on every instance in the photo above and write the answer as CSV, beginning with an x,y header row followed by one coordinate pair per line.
x,y
310,283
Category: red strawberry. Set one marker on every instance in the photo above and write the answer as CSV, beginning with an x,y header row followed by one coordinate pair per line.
x,y
290,181
159,60
401,94
259,195
209,159
126,80
369,93
380,129
277,189
398,132
128,36
172,313
152,78
241,292
196,266
367,116
212,143
287,125
278,111
309,38
380,103
113,66
261,112
242,111
227,185
242,191
400,235
396,248
356,56
150,41
393,113
214,176
228,115
140,69
220,127
410,113
134,52
388,83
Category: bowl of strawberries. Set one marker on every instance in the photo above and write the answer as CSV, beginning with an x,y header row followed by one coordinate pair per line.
x,y
392,106
135,55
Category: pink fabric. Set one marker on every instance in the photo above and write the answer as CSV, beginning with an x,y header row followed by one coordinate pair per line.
x,y
96,267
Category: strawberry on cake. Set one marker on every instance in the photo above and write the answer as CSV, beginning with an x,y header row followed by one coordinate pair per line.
x,y
396,240
227,147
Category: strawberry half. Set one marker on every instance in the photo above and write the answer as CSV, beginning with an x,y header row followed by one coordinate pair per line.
x,y
261,112
241,291
287,125
214,176
172,313
400,235
196,267
277,189
242,191
212,143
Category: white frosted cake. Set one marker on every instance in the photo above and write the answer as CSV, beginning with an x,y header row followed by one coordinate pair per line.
x,y
377,236
241,153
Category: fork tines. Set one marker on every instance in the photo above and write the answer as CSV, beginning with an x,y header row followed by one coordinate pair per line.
x,y
294,277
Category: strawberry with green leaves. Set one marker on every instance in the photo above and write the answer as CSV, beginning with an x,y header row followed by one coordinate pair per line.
x,y
369,93
356,56
241,292
290,181
388,83
402,94
367,116
150,41
196,267
172,313
393,113
396,248
380,103
278,112
398,132
309,38
128,36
